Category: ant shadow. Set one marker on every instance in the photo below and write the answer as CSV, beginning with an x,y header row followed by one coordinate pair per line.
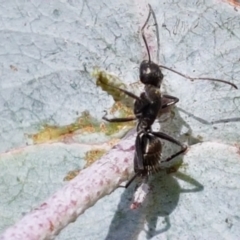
x,y
163,199
164,196
173,126
203,121
161,202
154,216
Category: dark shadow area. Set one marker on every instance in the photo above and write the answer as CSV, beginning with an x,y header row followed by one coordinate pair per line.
x,y
165,190
173,126
164,196
226,120
161,202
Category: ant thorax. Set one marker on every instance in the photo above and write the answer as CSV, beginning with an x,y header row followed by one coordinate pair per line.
x,y
147,107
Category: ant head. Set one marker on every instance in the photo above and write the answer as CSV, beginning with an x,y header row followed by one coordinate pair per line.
x,y
150,73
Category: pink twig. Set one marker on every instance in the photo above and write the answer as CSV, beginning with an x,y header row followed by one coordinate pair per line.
x,y
98,180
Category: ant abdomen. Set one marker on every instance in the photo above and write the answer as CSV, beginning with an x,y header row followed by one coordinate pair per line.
x,y
152,149
150,73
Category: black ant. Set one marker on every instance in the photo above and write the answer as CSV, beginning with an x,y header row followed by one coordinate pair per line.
x,y
148,147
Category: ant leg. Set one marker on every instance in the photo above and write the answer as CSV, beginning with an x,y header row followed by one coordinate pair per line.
x,y
173,140
138,161
138,158
130,181
134,176
127,93
168,138
174,101
123,90
175,155
118,119
197,78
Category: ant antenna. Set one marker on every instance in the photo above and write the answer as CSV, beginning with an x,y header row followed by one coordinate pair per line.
x,y
157,32
192,78
142,31
170,69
